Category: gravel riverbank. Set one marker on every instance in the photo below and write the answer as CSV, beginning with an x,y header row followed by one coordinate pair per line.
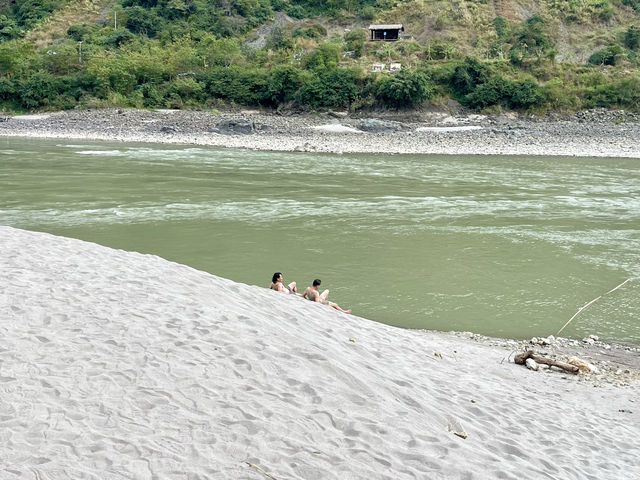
x,y
600,133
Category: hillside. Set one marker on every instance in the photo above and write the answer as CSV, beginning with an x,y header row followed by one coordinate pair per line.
x,y
535,55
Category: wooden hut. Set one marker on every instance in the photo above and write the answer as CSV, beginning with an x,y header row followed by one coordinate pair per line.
x,y
386,32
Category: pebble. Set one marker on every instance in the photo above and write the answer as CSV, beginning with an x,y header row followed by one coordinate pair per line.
x,y
601,133
531,364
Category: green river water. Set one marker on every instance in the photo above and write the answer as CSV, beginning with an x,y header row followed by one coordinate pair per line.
x,y
503,246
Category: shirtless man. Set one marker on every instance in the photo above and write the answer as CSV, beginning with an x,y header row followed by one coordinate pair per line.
x,y
276,284
311,293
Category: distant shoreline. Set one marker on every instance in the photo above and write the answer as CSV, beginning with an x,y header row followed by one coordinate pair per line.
x,y
599,133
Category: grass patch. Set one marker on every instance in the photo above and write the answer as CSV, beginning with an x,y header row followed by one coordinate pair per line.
x,y
55,26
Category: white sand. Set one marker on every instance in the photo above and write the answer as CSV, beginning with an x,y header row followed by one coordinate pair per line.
x,y
336,128
117,365
31,117
463,128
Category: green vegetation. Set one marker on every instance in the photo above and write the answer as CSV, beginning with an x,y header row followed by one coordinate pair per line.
x,y
563,55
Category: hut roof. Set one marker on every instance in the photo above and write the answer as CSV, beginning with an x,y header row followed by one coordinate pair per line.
x,y
393,26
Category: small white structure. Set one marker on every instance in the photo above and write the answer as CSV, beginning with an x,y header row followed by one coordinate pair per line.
x,y
395,67
377,67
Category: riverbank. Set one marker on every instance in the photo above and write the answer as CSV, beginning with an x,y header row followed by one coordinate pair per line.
x,y
598,133
126,365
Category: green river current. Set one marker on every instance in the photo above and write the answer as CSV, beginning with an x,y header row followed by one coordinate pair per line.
x,y
502,246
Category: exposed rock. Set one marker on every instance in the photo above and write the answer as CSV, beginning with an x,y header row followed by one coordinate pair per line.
x,y
531,364
264,32
334,114
236,126
379,126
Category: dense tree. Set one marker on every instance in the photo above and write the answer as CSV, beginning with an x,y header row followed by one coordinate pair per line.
x,y
606,56
183,53
404,89
468,75
335,88
283,82
632,37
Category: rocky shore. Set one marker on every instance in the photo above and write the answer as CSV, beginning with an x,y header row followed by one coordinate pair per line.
x,y
600,133
600,362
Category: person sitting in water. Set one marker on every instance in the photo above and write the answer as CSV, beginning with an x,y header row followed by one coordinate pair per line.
x,y
311,293
276,284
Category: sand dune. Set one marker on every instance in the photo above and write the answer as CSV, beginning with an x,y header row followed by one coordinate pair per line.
x,y
118,365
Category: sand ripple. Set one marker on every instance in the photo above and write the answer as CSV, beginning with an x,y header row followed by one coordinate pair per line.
x,y
118,365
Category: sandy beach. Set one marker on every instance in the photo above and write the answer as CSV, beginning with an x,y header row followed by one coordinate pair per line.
x,y
118,365
600,133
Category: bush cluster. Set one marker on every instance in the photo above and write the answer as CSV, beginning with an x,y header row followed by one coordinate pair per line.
x,y
180,54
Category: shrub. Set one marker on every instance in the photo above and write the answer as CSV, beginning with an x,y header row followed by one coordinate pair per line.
x,y
495,91
111,73
141,21
601,96
28,12
354,41
78,32
606,56
189,89
282,84
468,75
600,9
9,29
524,94
632,37
404,88
504,92
368,13
530,40
79,84
441,51
38,90
7,89
314,31
629,92
118,38
624,93
279,39
336,88
325,57
501,26
238,84
296,11
14,55
557,96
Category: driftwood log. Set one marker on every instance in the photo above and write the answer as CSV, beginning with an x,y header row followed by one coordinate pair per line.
x,y
521,359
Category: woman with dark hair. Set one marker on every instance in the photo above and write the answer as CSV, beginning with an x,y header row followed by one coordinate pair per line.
x,y
276,284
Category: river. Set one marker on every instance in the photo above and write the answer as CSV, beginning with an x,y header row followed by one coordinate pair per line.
x,y
499,245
